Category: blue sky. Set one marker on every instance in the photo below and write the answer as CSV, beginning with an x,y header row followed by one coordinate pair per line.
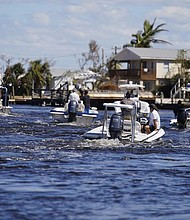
x,y
60,30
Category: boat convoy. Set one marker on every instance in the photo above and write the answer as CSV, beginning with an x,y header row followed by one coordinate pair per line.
x,y
123,120
126,123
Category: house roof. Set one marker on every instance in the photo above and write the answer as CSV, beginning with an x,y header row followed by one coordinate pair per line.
x,y
132,53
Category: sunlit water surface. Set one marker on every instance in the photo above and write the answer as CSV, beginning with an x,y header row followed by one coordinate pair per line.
x,y
48,171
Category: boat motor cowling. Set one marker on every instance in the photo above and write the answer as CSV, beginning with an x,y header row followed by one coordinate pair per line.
x,y
72,108
182,118
116,126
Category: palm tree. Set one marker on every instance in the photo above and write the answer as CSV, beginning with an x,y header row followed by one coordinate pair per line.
x,y
147,36
11,77
39,73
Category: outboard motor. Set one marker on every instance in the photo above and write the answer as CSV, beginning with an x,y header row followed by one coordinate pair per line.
x,y
116,126
72,110
182,118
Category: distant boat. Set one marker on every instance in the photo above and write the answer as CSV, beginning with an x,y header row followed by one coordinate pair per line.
x,y
5,109
182,120
71,113
186,88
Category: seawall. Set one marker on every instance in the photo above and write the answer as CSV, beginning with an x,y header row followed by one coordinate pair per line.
x,y
97,100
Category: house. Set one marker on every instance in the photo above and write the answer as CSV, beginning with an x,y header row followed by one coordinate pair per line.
x,y
148,66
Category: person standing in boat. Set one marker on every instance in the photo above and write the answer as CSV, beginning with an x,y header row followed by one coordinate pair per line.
x,y
132,94
73,105
126,113
177,108
154,120
127,95
74,96
81,92
86,101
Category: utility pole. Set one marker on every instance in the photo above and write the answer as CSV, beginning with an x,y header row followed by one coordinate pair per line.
x,y
115,49
115,70
1,75
102,57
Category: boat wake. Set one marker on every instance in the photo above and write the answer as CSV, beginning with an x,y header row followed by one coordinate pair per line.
x,y
103,143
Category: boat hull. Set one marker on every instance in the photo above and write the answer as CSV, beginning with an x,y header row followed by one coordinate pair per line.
x,y
5,110
148,138
61,116
98,133
174,123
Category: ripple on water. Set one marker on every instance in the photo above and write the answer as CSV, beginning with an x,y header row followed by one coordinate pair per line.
x,y
48,170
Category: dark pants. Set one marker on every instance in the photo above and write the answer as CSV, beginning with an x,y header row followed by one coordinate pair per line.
x,y
152,128
72,117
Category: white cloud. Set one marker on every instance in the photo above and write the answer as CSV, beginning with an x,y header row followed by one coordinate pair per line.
x,y
41,18
62,29
173,13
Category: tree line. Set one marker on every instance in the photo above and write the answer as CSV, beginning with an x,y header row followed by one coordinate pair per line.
x,y
24,81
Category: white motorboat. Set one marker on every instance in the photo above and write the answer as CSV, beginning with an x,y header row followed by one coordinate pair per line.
x,y
64,115
182,120
5,109
134,90
123,129
186,88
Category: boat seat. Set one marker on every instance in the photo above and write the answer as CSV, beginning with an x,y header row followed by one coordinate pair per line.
x,y
138,126
127,125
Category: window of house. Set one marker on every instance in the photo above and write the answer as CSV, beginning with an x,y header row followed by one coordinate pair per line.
x,y
152,65
133,65
144,64
128,65
166,66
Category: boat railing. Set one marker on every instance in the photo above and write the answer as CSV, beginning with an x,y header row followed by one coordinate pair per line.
x,y
176,90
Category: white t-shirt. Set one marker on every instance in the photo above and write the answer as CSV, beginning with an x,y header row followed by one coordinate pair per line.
x,y
154,116
74,96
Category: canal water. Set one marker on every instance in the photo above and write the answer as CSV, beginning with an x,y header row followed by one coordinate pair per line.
x,y
49,171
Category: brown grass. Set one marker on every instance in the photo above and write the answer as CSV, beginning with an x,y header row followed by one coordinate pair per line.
x,y
108,86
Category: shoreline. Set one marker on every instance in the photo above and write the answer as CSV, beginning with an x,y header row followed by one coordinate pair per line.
x,y
97,101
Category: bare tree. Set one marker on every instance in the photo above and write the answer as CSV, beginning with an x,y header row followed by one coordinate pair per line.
x,y
91,56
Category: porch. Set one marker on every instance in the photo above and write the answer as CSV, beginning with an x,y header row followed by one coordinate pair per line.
x,y
133,74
